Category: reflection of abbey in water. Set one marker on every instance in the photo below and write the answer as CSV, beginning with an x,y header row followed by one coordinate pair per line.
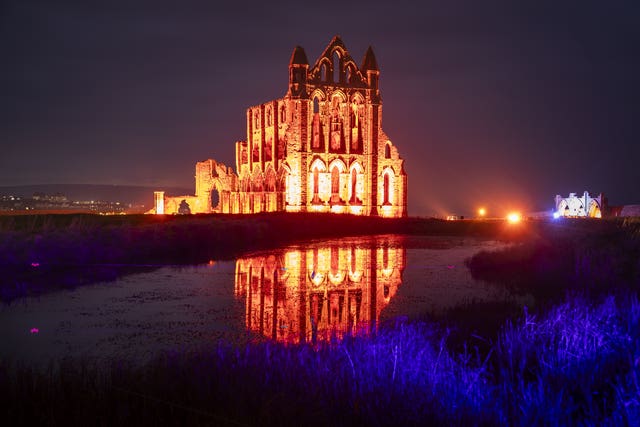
x,y
302,295
320,148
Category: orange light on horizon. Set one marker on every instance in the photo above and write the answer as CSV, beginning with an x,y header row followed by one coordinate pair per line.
x,y
514,217
482,212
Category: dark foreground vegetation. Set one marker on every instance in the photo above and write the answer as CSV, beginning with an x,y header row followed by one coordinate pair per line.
x,y
577,364
573,358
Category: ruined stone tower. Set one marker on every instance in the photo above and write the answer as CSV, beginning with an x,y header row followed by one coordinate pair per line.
x,y
320,148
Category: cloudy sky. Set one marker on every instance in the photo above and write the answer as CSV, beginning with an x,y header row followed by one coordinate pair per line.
x,y
495,103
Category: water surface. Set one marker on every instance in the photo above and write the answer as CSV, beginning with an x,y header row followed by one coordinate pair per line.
x,y
295,294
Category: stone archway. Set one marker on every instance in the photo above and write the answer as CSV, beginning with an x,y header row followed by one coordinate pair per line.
x,y
356,184
594,210
215,200
387,188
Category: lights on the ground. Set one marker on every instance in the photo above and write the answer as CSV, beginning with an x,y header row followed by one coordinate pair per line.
x,y
482,212
514,217
556,215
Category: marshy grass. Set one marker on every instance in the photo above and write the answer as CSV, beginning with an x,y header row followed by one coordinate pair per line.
x,y
577,364
567,258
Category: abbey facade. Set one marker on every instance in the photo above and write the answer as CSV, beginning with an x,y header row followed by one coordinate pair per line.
x,y
320,148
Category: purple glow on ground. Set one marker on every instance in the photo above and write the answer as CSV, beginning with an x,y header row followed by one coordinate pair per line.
x,y
34,330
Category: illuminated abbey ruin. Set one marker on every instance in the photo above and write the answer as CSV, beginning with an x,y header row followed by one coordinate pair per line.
x,y
320,148
312,294
579,207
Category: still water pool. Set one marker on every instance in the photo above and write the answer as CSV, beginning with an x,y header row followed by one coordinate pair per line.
x,y
298,293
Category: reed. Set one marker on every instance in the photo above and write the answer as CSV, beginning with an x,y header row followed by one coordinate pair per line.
x,y
574,365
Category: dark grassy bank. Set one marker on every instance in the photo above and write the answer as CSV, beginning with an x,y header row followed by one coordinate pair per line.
x,y
45,251
567,258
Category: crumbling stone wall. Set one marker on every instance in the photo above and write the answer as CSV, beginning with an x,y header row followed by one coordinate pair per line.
x,y
320,148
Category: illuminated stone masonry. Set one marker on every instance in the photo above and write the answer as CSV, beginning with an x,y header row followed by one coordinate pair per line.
x,y
579,207
586,206
320,148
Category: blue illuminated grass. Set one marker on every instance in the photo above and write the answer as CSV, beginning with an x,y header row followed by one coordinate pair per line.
x,y
578,364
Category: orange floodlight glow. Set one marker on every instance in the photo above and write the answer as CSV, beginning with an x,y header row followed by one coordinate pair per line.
x,y
514,217
482,212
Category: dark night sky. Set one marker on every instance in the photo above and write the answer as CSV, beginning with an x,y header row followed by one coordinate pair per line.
x,y
502,104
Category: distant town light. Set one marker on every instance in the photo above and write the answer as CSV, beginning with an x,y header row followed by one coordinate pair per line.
x,y
556,215
482,212
514,217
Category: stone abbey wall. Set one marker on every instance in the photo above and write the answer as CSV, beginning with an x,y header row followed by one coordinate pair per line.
x,y
320,148
583,206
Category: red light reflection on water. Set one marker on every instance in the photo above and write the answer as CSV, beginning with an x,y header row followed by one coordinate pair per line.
x,y
314,294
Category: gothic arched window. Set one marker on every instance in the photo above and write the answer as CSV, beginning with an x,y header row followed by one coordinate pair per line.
x,y
317,138
335,182
269,117
316,179
336,67
386,190
316,186
354,183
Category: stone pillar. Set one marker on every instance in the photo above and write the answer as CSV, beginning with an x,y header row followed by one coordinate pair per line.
x,y
373,159
304,142
158,197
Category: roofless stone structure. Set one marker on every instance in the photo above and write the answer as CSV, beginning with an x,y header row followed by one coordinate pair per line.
x,y
320,148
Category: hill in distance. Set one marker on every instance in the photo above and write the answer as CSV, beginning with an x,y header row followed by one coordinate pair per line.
x,y
128,194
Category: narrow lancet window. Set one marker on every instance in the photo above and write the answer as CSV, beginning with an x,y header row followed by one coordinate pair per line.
x,y
335,181
336,67
386,189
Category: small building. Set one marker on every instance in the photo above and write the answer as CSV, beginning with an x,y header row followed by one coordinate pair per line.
x,y
583,206
320,148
